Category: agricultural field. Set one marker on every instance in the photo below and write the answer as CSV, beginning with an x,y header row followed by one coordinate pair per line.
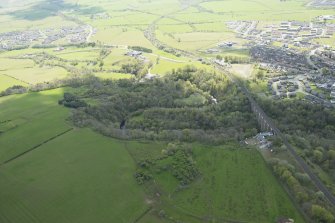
x,y
91,179
225,189
44,184
72,179
73,71
6,82
27,72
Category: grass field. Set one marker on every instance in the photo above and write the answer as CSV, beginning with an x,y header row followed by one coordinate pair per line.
x,y
37,74
235,185
77,177
263,10
119,36
33,118
113,76
81,176
6,82
75,54
237,188
52,172
25,70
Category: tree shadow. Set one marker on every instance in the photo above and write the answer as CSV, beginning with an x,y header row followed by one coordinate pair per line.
x,y
49,8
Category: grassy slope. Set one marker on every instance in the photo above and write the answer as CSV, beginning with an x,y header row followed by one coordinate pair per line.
x,y
33,117
236,185
27,71
78,177
6,82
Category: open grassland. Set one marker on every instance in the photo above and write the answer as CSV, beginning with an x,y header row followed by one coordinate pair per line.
x,y
29,119
113,76
27,71
164,66
37,74
6,82
239,187
79,54
190,41
7,22
235,185
79,176
119,36
263,10
11,64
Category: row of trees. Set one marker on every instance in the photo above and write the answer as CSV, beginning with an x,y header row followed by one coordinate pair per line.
x,y
310,128
313,203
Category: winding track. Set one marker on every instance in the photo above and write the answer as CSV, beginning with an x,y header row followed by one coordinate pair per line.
x,y
150,35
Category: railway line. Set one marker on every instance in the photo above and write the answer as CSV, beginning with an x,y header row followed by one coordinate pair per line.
x,y
264,121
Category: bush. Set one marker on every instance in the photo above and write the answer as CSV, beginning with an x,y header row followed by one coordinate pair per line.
x,y
72,101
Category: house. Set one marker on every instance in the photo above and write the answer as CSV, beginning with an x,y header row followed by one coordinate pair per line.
x,y
266,134
134,53
58,49
226,44
284,220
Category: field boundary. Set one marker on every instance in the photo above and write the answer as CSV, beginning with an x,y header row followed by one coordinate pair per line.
x,y
35,147
286,189
16,78
143,214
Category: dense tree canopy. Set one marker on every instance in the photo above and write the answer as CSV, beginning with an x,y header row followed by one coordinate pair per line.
x,y
186,100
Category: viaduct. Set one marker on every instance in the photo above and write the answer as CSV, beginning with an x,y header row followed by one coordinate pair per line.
x,y
267,124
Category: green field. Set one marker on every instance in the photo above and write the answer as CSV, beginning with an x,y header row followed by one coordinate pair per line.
x,y
235,185
52,171
69,179
6,82
82,176
26,71
78,177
